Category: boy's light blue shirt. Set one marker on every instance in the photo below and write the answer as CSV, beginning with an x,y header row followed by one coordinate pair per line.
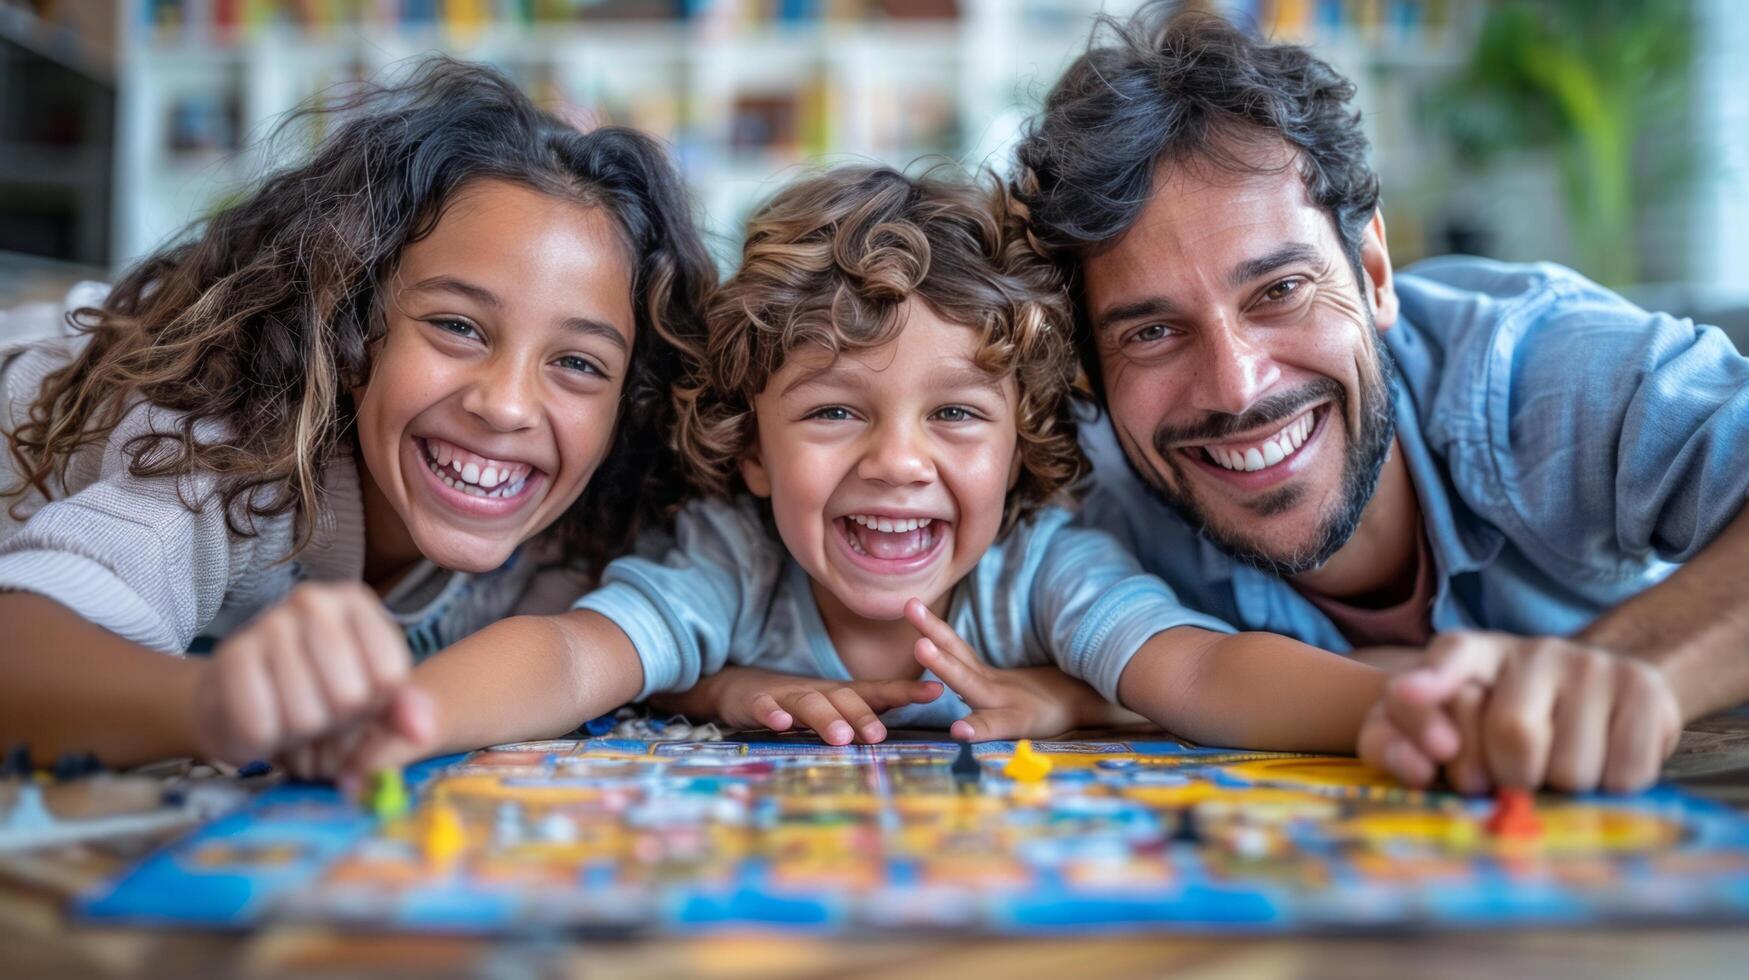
x,y
728,593
1568,448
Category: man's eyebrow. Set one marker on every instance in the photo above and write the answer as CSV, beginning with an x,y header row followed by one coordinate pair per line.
x,y
597,328
1134,310
1264,264
479,294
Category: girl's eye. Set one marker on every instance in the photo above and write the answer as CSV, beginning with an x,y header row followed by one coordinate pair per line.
x,y
831,413
582,365
1283,290
460,328
955,413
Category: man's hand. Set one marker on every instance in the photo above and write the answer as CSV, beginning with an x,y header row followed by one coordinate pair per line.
x,y
840,712
1019,702
1497,709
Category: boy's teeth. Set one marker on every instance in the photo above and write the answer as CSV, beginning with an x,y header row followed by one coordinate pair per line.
x,y
891,525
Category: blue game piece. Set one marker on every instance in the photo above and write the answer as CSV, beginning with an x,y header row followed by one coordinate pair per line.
x,y
28,811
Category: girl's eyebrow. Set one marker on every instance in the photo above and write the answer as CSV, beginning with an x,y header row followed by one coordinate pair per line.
x,y
479,294
485,297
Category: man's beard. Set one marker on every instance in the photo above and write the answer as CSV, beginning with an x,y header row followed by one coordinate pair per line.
x,y
1362,463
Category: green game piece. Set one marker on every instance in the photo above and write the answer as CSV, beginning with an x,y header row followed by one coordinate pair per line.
x,y
387,798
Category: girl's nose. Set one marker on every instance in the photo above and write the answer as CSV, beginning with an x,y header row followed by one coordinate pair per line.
x,y
504,396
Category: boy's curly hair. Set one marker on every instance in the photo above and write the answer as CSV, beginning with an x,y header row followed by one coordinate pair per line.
x,y
831,259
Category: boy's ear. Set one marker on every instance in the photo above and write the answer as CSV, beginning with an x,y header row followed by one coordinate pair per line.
x,y
753,472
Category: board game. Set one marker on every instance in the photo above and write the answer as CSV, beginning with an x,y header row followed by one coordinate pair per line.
x,y
612,836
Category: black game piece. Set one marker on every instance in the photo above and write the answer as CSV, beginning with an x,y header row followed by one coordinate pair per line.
x,y
17,761
966,770
257,768
73,765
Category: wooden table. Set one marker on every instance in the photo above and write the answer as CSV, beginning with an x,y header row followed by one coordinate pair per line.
x,y
36,939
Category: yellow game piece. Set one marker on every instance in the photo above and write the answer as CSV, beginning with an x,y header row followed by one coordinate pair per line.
x,y
1026,766
444,836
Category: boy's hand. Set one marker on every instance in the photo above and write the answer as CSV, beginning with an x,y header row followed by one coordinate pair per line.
x,y
1545,711
1018,702
840,712
325,658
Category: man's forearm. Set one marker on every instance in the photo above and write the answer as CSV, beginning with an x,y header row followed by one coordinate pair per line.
x,y
1694,626
72,686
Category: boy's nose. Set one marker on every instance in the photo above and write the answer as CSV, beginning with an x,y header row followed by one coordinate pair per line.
x,y
897,455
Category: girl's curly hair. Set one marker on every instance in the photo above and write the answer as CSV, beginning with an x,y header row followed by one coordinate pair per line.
x,y
263,319
830,260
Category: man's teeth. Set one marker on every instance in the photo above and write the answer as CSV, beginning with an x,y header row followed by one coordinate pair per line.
x,y
889,524
474,474
1274,449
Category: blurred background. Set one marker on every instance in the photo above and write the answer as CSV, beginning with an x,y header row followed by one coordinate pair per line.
x,y
1610,135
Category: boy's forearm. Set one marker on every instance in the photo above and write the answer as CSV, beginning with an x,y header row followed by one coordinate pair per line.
x,y
1250,690
72,686
529,677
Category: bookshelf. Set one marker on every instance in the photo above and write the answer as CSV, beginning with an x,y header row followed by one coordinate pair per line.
x,y
743,90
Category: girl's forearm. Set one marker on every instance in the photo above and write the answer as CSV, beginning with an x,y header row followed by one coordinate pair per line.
x,y
1251,690
72,686
529,677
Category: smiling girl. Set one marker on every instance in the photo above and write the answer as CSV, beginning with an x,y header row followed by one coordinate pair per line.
x,y
883,416
322,428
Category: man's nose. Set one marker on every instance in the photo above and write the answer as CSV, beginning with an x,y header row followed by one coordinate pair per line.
x,y
1235,370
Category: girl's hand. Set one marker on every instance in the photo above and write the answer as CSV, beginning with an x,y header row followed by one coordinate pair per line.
x,y
326,658
840,712
1020,702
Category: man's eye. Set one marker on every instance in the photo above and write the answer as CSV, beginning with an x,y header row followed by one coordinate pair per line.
x,y
831,413
1148,334
1282,290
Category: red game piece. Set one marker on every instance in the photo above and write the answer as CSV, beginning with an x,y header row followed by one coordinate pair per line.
x,y
1515,815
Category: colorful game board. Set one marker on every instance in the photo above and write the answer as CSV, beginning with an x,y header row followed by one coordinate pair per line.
x,y
619,836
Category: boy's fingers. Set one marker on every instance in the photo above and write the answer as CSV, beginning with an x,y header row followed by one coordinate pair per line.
x,y
814,710
972,685
1452,660
995,724
1426,723
1468,773
767,712
887,695
856,711
936,629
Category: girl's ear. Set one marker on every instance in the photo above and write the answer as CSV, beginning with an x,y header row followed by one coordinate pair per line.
x,y
753,471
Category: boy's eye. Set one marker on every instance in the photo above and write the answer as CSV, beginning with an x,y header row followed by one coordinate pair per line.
x,y
582,365
955,413
831,413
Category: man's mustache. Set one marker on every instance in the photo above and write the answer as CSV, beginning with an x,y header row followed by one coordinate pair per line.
x,y
1278,407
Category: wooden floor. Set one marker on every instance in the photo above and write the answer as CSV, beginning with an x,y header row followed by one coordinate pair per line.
x,y
36,940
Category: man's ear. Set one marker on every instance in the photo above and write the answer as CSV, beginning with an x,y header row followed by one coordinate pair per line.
x,y
753,471
1375,264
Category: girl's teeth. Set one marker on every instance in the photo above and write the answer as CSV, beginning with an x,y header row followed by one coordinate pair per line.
x,y
489,477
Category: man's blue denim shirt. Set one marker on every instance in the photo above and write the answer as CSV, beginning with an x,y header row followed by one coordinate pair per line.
x,y
1568,449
